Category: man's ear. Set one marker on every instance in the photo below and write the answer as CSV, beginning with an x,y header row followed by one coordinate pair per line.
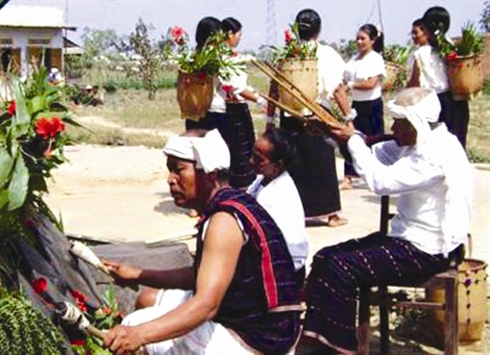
x,y
212,176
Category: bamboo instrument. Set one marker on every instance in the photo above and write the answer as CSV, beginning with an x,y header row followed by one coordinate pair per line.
x,y
73,315
292,89
85,253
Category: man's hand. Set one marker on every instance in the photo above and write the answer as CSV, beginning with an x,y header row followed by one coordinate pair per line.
x,y
123,340
124,274
342,133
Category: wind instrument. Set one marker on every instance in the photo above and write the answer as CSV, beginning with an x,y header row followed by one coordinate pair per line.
x,y
86,254
316,109
71,314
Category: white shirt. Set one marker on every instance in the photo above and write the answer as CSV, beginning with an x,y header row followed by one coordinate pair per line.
x,y
434,184
280,198
371,65
238,81
331,69
432,69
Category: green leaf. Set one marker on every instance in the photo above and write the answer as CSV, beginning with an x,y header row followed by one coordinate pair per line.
x,y
6,164
4,198
21,113
37,104
18,185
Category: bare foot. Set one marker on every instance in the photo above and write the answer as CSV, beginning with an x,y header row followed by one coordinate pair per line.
x,y
346,184
336,221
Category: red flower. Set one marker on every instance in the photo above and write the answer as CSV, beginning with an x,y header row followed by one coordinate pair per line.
x,y
77,342
460,65
452,56
178,34
106,310
12,108
201,75
29,223
40,285
49,127
288,36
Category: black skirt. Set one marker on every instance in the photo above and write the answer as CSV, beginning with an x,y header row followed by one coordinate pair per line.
x,y
313,171
239,134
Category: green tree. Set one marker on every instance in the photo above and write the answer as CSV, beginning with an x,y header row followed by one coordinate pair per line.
x,y
485,17
146,59
97,43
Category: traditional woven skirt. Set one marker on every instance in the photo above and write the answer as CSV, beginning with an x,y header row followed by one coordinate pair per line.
x,y
313,171
239,134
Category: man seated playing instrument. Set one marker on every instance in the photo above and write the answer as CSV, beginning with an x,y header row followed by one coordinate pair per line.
x,y
241,296
429,171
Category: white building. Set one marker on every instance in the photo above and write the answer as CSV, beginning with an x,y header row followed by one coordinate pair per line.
x,y
31,36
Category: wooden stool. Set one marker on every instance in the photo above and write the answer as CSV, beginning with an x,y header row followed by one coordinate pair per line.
x,y
448,280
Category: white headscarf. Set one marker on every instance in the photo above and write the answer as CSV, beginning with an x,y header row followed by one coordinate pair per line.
x,y
209,152
419,115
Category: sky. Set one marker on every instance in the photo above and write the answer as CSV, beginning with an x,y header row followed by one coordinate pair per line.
x,y
340,18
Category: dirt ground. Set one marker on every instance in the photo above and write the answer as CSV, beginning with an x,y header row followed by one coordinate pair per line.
x,y
121,194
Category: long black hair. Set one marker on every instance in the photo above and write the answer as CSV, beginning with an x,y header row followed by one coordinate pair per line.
x,y
374,35
309,24
207,27
436,20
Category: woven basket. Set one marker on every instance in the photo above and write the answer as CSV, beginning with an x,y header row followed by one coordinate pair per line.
x,y
194,95
304,75
392,70
472,298
465,76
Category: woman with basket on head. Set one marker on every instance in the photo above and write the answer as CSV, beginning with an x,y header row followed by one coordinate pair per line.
x,y
314,171
364,77
456,113
427,69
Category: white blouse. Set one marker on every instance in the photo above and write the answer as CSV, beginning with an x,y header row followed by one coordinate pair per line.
x,y
371,65
280,198
432,69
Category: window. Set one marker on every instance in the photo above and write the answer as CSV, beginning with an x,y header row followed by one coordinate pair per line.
x,y
39,41
6,42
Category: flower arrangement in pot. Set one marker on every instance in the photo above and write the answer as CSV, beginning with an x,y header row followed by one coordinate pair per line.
x,y
297,61
198,69
463,61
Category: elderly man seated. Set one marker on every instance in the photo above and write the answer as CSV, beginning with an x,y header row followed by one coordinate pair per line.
x,y
241,296
428,169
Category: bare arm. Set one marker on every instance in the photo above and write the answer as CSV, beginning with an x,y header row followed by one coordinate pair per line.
x,y
220,257
125,274
367,84
414,80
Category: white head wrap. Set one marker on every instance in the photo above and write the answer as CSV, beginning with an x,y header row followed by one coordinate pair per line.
x,y
209,152
419,115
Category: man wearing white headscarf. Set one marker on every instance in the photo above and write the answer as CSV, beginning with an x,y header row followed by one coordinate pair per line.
x,y
240,296
426,167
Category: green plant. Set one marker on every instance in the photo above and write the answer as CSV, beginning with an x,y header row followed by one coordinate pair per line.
x,y
294,47
32,138
471,42
215,58
25,330
106,317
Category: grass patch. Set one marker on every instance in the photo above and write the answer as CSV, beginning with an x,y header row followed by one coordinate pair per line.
x,y
131,109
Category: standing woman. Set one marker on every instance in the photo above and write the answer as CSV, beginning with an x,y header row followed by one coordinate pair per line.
x,y
314,171
427,69
364,77
437,20
230,100
206,27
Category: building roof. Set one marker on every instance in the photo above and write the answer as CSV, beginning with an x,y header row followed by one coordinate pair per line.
x,y
32,16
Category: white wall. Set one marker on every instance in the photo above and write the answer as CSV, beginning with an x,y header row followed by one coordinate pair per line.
x,y
21,35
